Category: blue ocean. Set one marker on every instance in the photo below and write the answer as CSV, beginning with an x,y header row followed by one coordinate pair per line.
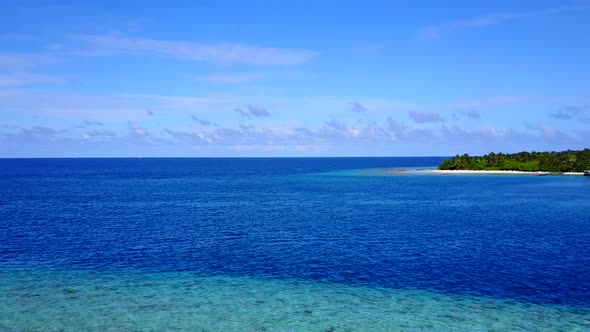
x,y
289,244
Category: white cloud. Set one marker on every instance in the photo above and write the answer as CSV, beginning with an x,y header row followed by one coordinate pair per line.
x,y
425,117
218,53
333,137
258,111
230,78
123,107
471,105
578,113
203,122
435,31
473,115
14,61
355,106
253,111
15,79
96,134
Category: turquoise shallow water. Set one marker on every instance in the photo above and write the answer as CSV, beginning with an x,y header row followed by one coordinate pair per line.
x,y
79,301
294,244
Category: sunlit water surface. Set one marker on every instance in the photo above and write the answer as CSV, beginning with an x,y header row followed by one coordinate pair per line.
x,y
56,301
288,245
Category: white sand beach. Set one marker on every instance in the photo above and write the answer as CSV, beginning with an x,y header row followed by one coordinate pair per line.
x,y
460,171
438,171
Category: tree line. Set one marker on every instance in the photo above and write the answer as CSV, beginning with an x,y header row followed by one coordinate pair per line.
x,y
556,162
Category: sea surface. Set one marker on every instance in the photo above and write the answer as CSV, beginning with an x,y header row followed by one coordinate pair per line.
x,y
289,244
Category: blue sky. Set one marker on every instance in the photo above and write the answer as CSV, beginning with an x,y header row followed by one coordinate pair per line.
x,y
307,78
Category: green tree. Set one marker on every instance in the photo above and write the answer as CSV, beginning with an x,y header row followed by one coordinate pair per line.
x,y
565,161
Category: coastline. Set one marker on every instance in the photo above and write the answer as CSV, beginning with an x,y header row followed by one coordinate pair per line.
x,y
462,171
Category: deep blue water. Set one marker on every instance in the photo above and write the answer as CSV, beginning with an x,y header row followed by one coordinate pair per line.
x,y
524,238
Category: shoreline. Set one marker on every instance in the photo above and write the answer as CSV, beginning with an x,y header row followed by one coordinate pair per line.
x,y
464,171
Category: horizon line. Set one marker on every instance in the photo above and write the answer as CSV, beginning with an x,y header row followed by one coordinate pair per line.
x,y
226,157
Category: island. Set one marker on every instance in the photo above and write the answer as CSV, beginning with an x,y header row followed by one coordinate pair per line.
x,y
564,162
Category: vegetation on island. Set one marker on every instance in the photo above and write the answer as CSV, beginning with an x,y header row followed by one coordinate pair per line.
x,y
555,162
